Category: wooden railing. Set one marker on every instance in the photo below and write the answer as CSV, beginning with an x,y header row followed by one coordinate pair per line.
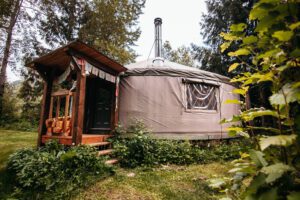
x,y
61,124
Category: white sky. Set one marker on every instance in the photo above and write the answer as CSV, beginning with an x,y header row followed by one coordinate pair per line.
x,y
180,26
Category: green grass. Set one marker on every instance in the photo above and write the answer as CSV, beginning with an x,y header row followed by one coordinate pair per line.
x,y
10,141
163,183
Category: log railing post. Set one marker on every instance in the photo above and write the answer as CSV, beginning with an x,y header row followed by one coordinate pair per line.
x,y
79,106
45,107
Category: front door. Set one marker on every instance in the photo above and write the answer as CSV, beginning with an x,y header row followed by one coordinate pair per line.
x,y
101,101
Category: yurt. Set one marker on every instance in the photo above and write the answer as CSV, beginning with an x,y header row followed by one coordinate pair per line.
x,y
86,94
173,100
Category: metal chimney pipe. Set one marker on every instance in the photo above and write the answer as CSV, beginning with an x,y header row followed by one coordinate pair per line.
x,y
158,40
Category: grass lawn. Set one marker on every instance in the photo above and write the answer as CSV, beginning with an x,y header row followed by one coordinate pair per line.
x,y
166,182
10,141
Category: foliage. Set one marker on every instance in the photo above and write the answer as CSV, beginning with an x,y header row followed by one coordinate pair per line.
x,y
109,26
14,116
11,106
112,28
141,149
273,166
30,92
181,55
54,172
221,14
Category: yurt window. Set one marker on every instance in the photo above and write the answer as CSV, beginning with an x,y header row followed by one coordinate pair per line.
x,y
201,96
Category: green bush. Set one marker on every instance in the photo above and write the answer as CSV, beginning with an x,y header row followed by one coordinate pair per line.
x,y
140,149
54,172
19,124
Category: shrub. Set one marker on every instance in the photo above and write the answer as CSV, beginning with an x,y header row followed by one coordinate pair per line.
x,y
140,149
53,172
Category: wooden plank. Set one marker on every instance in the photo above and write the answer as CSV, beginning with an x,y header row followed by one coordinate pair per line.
x,y
61,139
116,110
60,93
74,116
57,107
51,108
81,105
66,112
45,108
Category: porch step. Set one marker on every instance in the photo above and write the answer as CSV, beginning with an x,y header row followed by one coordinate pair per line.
x,y
97,144
105,152
112,161
91,139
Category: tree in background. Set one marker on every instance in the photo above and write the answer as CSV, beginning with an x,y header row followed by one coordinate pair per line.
x,y
181,55
113,28
220,15
110,26
10,11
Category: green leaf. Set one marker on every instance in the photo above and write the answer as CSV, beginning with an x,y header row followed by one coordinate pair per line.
x,y
240,52
232,101
283,35
233,67
287,94
250,39
238,27
216,183
279,140
225,46
241,91
294,196
275,171
234,130
294,25
258,158
296,53
257,182
251,114
257,13
235,118
269,194
228,36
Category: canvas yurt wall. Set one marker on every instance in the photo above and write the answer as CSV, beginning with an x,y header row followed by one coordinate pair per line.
x,y
176,101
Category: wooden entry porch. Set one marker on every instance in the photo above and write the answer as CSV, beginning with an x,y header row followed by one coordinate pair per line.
x,y
74,63
90,139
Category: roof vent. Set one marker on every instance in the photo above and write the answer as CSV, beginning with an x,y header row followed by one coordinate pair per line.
x,y
158,60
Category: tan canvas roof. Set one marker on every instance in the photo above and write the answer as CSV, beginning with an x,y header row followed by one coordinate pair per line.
x,y
168,68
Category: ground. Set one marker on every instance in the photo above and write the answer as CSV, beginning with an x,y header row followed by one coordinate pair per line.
x,y
165,182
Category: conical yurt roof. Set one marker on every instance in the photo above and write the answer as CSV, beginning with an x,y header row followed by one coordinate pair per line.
x,y
167,68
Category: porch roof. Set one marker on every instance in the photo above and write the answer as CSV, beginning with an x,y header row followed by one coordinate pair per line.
x,y
60,58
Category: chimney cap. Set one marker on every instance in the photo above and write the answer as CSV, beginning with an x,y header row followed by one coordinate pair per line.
x,y
157,20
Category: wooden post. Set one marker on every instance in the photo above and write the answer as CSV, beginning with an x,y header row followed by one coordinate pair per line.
x,y
80,105
66,112
116,110
45,108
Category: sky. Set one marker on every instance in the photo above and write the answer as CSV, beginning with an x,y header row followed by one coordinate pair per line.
x,y
180,26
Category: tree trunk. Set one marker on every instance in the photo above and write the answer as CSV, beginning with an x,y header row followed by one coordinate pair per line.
x,y
13,18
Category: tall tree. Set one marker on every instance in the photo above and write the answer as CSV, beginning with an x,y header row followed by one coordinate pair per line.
x,y
9,16
181,55
113,28
110,26
220,15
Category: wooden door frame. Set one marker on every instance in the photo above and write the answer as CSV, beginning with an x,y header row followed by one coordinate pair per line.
x,y
91,84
